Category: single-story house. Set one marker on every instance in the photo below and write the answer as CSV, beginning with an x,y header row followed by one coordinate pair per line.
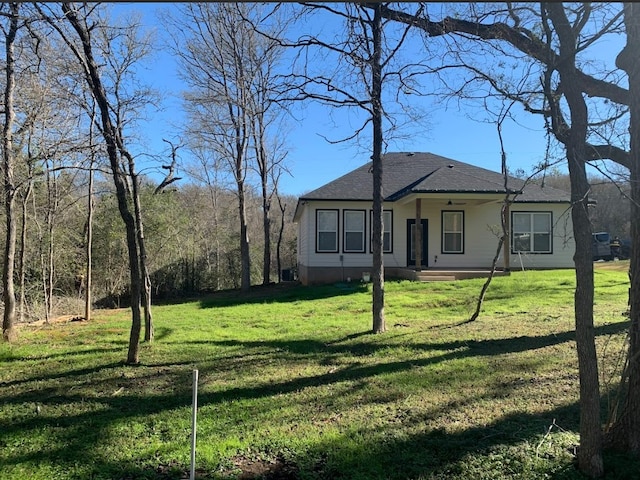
x,y
458,208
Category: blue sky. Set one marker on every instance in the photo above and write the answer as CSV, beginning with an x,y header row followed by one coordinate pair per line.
x,y
313,161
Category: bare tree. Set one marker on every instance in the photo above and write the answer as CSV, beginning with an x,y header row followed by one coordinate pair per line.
x,y
206,172
231,72
112,126
90,213
366,61
10,31
567,96
625,432
213,51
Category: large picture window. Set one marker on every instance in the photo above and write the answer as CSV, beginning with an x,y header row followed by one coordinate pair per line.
x,y
387,229
531,232
354,231
327,231
453,232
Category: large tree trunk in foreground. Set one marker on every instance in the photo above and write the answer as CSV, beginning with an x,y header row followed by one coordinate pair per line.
x,y
142,254
9,295
379,325
625,432
110,136
590,453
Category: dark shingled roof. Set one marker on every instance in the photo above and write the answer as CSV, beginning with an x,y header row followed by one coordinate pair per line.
x,y
407,173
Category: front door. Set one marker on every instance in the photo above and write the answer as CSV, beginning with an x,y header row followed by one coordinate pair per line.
x,y
411,254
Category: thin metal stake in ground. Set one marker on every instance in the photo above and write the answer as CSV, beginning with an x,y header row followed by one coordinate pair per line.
x,y
194,411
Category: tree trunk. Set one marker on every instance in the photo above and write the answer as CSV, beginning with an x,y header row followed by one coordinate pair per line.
x,y
263,170
49,265
89,248
110,133
625,432
144,271
245,258
266,226
9,296
283,207
23,244
378,196
590,453
504,227
492,272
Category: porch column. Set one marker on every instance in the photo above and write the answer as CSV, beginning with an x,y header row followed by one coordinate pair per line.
x,y
417,236
506,246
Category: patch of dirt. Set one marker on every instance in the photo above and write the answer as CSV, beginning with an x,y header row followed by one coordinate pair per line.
x,y
60,319
618,265
253,469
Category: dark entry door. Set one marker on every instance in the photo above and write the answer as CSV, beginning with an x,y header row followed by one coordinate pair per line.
x,y
411,256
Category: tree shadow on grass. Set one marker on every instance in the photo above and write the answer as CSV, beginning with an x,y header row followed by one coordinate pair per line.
x,y
435,453
463,348
368,454
273,293
65,354
281,293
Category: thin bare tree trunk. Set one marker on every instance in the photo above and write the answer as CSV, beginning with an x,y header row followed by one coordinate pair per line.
x,y
146,279
23,244
492,272
89,247
266,228
9,296
283,207
48,271
113,144
504,209
245,259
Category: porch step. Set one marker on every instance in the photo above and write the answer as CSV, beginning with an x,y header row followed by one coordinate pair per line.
x,y
434,277
440,275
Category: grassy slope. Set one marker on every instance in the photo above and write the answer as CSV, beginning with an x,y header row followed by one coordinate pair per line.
x,y
291,378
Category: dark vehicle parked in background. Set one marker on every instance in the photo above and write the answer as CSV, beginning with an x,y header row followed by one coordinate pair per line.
x,y
625,250
601,246
604,247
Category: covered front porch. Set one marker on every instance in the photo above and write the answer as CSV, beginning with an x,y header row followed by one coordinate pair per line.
x,y
458,230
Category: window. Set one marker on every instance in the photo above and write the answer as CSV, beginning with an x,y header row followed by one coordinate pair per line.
x,y
531,232
387,228
327,231
453,232
354,231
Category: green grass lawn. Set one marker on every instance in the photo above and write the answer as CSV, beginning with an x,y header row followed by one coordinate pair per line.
x,y
293,385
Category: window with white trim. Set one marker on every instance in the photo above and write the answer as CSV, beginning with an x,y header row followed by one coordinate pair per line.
x,y
326,231
387,229
354,231
452,232
531,232
387,222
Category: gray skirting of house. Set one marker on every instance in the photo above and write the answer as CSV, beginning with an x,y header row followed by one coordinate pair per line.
x,y
325,275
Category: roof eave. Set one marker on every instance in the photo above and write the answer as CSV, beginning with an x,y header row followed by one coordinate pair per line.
x,y
405,193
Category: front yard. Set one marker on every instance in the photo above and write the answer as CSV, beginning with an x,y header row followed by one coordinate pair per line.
x,y
293,385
